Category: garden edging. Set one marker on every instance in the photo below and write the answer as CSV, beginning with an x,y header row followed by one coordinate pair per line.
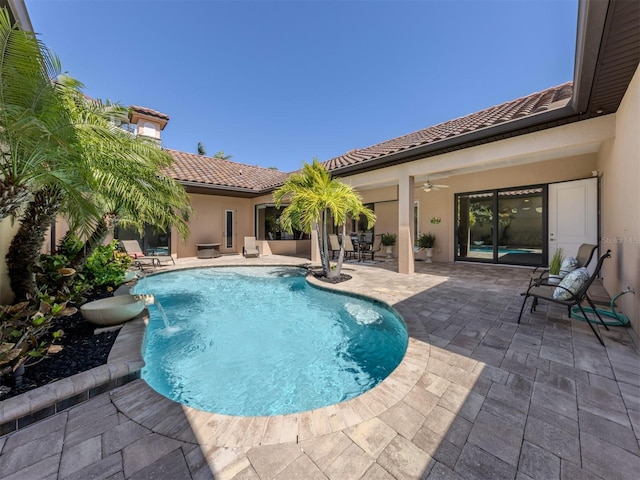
x,y
123,365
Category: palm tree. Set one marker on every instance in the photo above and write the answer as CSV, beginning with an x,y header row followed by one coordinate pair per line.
x,y
122,176
61,153
30,119
315,198
220,154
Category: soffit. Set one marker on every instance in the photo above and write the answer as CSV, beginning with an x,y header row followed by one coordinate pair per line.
x,y
618,57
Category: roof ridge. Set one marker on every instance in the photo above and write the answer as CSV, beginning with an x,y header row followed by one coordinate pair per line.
x,y
523,106
506,105
221,160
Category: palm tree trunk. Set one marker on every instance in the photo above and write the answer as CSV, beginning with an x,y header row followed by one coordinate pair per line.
x,y
25,247
324,247
96,238
12,197
341,254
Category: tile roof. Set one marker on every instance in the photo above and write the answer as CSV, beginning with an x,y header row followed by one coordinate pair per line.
x,y
216,172
549,99
150,112
225,174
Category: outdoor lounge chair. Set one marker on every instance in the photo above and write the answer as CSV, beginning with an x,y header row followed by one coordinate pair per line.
x,y
250,249
133,249
540,289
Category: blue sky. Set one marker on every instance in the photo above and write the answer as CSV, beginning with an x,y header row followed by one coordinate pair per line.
x,y
277,83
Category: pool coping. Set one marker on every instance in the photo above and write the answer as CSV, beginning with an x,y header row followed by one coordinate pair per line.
x,y
125,362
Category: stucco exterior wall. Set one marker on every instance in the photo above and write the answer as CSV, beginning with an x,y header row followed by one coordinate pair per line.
x,y
207,225
619,165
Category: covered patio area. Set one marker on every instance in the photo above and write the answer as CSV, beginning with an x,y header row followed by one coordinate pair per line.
x,y
477,396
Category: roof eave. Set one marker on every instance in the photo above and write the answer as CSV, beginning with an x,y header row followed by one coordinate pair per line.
x,y
592,16
19,13
211,189
485,135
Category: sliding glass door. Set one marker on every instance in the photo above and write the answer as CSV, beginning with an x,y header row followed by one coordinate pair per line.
x,y
502,226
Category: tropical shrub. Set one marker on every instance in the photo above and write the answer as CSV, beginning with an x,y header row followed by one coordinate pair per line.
x,y
106,266
426,240
25,336
388,239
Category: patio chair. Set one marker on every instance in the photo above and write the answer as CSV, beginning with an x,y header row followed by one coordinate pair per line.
x,y
334,245
250,249
571,292
374,248
133,249
349,249
583,259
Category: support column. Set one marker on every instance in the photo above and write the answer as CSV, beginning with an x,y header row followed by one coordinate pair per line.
x,y
405,224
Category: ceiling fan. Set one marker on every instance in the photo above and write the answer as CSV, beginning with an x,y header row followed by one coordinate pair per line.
x,y
430,187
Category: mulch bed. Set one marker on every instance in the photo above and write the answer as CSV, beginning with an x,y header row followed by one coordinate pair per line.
x,y
81,351
343,277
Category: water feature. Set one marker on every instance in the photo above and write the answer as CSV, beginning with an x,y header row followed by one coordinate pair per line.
x,y
149,300
261,341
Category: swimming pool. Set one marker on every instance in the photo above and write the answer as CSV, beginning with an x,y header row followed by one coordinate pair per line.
x,y
256,341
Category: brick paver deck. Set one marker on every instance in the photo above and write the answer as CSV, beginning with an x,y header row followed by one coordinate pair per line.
x,y
476,397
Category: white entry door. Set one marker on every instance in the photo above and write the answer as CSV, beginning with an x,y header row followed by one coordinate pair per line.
x,y
573,215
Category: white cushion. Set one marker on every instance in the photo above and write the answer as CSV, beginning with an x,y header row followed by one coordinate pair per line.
x,y
573,282
569,264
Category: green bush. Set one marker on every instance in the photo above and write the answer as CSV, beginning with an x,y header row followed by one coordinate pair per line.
x,y
25,335
426,240
106,266
388,239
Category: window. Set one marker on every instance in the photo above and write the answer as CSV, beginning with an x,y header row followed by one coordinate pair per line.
x,y
502,226
268,225
152,240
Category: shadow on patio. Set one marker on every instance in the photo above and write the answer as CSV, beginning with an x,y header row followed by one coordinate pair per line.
x,y
477,396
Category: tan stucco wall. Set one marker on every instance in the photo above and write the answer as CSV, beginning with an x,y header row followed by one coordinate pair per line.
x,y
383,194
619,165
207,226
207,223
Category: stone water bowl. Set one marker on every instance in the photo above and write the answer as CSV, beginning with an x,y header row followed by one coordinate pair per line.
x,y
113,310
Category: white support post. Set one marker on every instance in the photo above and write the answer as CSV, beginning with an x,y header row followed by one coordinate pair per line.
x,y
405,224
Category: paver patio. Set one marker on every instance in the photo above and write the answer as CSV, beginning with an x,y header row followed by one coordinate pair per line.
x,y
476,397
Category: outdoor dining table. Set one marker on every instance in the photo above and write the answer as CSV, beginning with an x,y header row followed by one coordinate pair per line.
x,y
361,246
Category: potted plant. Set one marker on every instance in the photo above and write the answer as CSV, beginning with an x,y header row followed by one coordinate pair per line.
x,y
427,241
554,267
388,240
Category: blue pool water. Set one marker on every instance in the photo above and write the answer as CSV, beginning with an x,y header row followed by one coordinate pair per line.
x,y
261,341
502,250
